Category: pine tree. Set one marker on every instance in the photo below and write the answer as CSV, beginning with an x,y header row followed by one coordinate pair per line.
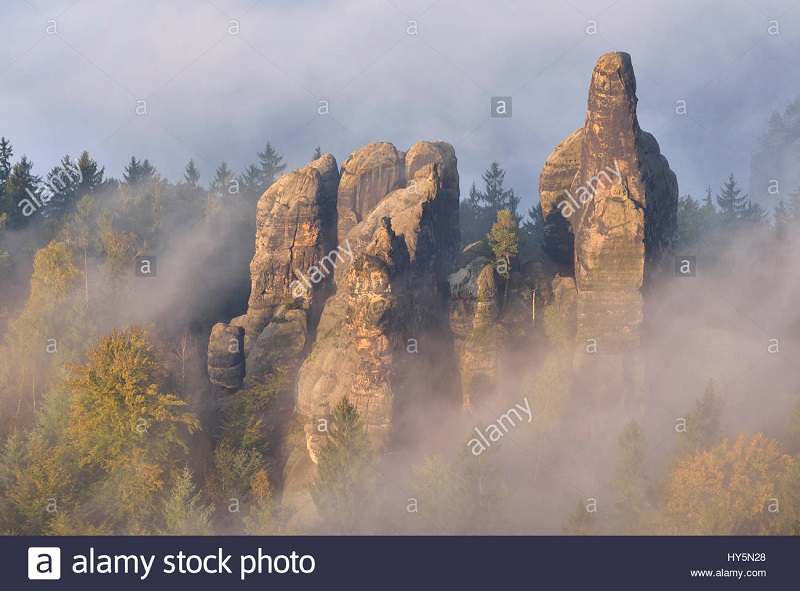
x,y
189,197
775,129
440,498
703,424
222,181
119,404
71,180
732,207
630,480
754,213
504,241
138,171
92,175
791,119
708,201
317,153
793,205
191,175
6,153
184,513
495,197
480,208
690,227
21,188
471,215
250,182
534,228
464,501
342,483
272,166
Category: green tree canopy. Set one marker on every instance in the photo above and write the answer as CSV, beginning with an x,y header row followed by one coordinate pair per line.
x,y
342,484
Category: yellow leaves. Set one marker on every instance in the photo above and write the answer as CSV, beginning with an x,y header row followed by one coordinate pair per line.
x,y
725,490
54,270
260,488
118,407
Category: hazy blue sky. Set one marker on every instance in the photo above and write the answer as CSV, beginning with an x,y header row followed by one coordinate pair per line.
x,y
213,96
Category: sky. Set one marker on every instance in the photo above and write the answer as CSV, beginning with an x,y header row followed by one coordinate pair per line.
x,y
221,78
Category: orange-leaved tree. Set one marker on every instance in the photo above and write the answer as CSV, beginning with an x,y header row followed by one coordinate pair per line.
x,y
729,489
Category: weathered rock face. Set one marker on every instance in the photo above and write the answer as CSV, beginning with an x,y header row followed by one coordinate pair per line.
x,y
392,294
443,156
368,175
463,302
279,347
479,365
611,184
226,362
629,223
294,231
382,339
488,336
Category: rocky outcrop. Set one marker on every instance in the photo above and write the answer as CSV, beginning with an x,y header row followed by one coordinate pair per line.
x,y
480,355
463,301
368,175
492,324
279,347
295,234
618,200
226,361
294,231
392,299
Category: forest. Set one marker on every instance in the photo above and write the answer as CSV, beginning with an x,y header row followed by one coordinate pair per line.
x,y
109,424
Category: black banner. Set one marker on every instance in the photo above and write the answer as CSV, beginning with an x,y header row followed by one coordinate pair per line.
x,y
117,563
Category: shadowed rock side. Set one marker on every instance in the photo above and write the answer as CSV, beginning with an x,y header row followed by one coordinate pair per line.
x,y
295,223
615,189
558,173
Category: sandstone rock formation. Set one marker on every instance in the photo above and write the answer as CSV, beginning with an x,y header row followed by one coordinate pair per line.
x,y
479,363
226,361
558,173
368,175
393,297
618,200
376,340
294,231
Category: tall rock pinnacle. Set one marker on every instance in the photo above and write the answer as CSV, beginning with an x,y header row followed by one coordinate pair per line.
x,y
609,195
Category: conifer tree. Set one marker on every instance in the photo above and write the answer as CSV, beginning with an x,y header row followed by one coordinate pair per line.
x,y
342,483
190,174
272,166
630,480
703,424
